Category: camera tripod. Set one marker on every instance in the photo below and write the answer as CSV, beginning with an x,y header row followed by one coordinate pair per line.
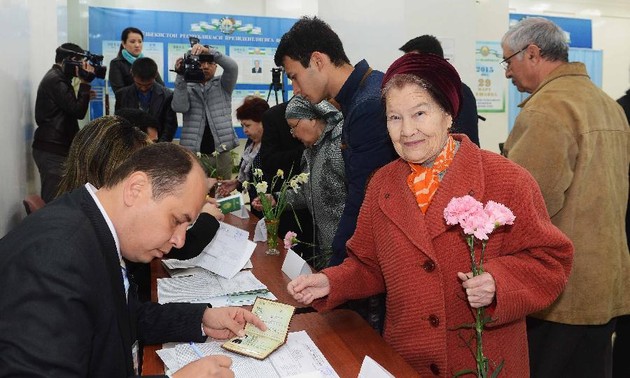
x,y
275,87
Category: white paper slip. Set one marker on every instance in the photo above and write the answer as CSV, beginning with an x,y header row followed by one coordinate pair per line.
x,y
298,356
260,232
242,212
248,265
372,369
227,253
294,265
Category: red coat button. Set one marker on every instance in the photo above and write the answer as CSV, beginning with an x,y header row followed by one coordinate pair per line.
x,y
428,266
434,369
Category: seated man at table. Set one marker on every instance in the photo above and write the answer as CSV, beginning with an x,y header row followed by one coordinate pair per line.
x,y
67,306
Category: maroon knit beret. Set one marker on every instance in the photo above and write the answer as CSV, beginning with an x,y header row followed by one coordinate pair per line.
x,y
435,70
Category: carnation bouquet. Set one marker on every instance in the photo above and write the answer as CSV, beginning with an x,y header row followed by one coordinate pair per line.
x,y
477,223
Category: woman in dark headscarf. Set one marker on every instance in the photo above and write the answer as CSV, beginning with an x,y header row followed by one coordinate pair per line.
x,y
318,127
402,245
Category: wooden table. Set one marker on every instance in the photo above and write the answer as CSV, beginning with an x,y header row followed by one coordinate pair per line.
x,y
342,335
345,338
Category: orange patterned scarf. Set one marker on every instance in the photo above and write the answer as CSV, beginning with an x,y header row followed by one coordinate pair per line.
x,y
424,181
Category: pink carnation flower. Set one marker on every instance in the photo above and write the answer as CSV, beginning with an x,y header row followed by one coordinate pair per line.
x,y
499,214
460,208
477,223
290,240
474,219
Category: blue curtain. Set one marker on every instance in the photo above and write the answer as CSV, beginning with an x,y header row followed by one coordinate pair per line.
x,y
591,58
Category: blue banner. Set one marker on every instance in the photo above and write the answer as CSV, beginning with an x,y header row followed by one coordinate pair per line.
x,y
250,40
579,31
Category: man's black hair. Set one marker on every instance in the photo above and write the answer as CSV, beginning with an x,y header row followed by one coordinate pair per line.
x,y
66,51
307,36
424,44
144,68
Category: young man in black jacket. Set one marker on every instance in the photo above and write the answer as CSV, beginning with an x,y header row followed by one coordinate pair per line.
x,y
148,95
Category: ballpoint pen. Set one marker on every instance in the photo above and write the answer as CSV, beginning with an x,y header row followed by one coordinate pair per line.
x,y
196,349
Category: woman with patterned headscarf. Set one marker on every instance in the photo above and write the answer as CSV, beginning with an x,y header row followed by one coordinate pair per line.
x,y
403,247
318,127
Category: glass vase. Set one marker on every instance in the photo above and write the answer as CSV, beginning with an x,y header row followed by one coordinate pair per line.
x,y
272,236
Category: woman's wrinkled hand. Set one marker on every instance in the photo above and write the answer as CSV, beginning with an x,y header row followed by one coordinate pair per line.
x,y
305,289
480,290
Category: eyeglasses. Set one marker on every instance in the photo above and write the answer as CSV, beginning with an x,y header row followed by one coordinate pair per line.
x,y
505,63
292,128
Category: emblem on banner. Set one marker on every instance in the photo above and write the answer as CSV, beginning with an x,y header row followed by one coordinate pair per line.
x,y
227,25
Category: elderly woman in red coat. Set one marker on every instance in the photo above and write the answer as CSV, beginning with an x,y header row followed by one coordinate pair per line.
x,y
403,246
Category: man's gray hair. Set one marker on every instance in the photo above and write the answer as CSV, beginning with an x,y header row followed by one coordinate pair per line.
x,y
548,36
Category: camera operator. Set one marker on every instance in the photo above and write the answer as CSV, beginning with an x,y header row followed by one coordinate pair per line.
x,y
57,111
207,106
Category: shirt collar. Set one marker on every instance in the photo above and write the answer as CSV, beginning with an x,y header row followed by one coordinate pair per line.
x,y
92,190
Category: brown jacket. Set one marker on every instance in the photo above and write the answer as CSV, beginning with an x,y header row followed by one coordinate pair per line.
x,y
574,139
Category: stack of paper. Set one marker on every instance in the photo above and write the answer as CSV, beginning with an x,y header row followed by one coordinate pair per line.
x,y
215,275
202,286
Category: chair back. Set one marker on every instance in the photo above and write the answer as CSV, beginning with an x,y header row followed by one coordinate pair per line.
x,y
33,202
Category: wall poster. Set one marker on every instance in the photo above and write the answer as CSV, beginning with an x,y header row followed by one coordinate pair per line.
x,y
490,86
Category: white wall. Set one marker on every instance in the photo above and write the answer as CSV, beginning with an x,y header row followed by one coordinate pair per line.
x,y
30,30
26,44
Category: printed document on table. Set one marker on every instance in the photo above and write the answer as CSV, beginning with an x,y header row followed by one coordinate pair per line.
x,y
298,356
203,285
227,253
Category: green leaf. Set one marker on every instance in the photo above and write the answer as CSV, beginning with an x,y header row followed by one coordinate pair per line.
x,y
465,325
463,372
496,372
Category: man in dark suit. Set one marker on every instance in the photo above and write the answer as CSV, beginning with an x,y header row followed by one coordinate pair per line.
x,y
67,306
147,95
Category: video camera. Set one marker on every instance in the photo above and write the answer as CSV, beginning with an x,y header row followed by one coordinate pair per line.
x,y
93,60
276,78
191,64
